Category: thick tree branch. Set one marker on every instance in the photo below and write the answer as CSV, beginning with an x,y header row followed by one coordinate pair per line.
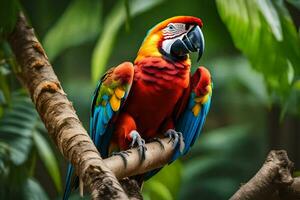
x,y
59,115
273,181
156,157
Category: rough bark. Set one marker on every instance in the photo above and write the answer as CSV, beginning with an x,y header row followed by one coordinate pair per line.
x,y
59,116
132,188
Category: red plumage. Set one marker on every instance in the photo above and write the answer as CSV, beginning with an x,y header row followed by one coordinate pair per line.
x,y
156,91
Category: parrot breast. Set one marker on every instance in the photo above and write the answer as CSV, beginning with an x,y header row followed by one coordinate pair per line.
x,y
161,74
157,88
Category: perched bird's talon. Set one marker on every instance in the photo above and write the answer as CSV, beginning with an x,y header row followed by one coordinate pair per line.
x,y
138,141
176,138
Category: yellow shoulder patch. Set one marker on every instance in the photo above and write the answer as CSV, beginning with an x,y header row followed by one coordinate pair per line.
x,y
119,92
115,103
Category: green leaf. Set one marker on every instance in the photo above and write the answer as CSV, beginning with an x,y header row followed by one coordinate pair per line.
x,y
171,184
265,33
268,10
127,9
19,149
47,156
16,127
110,29
81,22
8,16
33,191
4,72
157,190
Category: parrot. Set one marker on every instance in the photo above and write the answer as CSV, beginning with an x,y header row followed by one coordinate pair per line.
x,y
154,97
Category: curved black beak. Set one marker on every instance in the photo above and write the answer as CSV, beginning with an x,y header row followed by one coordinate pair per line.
x,y
192,41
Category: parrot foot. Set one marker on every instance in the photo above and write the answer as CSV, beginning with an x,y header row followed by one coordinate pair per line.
x,y
138,141
158,140
123,155
176,138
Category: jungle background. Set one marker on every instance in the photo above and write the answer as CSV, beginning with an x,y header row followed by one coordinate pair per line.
x,y
252,50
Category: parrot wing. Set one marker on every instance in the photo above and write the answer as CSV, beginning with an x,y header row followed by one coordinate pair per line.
x,y
192,118
189,116
109,96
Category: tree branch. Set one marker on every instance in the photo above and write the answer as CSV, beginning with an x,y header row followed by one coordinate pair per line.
x,y
273,181
156,157
59,116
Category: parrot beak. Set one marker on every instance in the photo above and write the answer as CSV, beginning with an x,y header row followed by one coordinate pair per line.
x,y
192,41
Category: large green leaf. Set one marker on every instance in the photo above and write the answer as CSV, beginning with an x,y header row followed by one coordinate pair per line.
x,y
47,156
110,29
265,33
81,22
20,129
16,127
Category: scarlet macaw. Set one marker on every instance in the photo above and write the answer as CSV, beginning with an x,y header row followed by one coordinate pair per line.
x,y
154,97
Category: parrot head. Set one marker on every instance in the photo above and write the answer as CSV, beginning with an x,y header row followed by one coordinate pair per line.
x,y
173,39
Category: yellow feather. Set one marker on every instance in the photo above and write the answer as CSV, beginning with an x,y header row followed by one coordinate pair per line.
x,y
204,99
114,103
149,47
209,89
196,109
119,92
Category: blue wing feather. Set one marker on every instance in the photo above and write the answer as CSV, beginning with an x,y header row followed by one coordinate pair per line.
x,y
68,182
100,129
190,125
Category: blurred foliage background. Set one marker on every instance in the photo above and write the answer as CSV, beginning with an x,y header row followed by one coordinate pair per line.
x,y
252,51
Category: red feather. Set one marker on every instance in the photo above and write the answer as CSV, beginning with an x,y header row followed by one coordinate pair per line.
x,y
156,91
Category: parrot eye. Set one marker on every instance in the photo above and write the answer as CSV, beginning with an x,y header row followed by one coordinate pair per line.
x,y
173,30
171,27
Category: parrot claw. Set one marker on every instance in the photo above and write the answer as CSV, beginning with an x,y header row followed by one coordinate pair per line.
x,y
123,155
176,138
138,141
158,140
